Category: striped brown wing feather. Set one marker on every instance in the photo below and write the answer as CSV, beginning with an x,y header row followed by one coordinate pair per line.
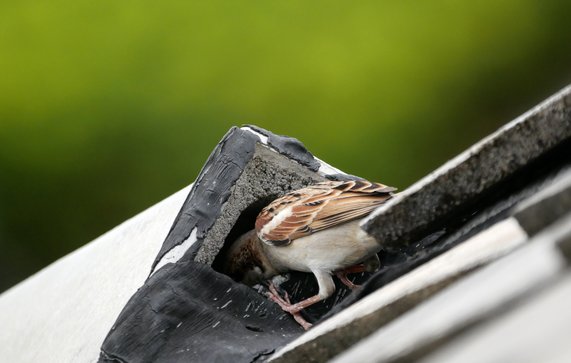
x,y
315,208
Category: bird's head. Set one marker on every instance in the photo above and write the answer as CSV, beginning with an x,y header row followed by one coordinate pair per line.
x,y
246,262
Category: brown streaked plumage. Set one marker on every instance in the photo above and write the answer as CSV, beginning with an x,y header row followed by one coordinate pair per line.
x,y
314,229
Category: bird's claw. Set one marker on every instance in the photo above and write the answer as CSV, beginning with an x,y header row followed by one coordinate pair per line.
x,y
287,306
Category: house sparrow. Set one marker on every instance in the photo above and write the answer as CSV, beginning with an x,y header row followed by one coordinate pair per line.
x,y
314,229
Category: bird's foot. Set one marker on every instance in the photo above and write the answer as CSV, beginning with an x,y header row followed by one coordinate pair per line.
x,y
274,295
287,306
371,264
342,276
285,302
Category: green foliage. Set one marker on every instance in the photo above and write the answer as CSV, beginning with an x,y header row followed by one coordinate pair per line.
x,y
107,107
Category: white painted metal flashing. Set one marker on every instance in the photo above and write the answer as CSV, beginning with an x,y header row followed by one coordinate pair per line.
x,y
63,312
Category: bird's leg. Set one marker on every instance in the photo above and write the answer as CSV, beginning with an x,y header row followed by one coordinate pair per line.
x,y
284,303
326,288
371,264
274,295
297,307
342,276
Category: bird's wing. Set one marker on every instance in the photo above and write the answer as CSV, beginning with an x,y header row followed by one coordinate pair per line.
x,y
317,207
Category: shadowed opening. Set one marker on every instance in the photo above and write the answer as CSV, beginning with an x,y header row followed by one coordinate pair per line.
x,y
244,224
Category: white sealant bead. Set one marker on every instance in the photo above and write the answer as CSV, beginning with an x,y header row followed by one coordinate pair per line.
x,y
263,138
326,169
176,252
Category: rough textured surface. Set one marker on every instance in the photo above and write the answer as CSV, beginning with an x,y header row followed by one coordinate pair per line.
x,y
471,174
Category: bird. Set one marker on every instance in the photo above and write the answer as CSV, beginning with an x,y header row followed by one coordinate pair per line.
x,y
314,229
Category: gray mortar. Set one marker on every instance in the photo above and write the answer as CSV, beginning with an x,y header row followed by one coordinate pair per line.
x,y
267,175
412,213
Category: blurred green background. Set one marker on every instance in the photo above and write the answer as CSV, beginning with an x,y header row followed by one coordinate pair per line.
x,y
108,107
